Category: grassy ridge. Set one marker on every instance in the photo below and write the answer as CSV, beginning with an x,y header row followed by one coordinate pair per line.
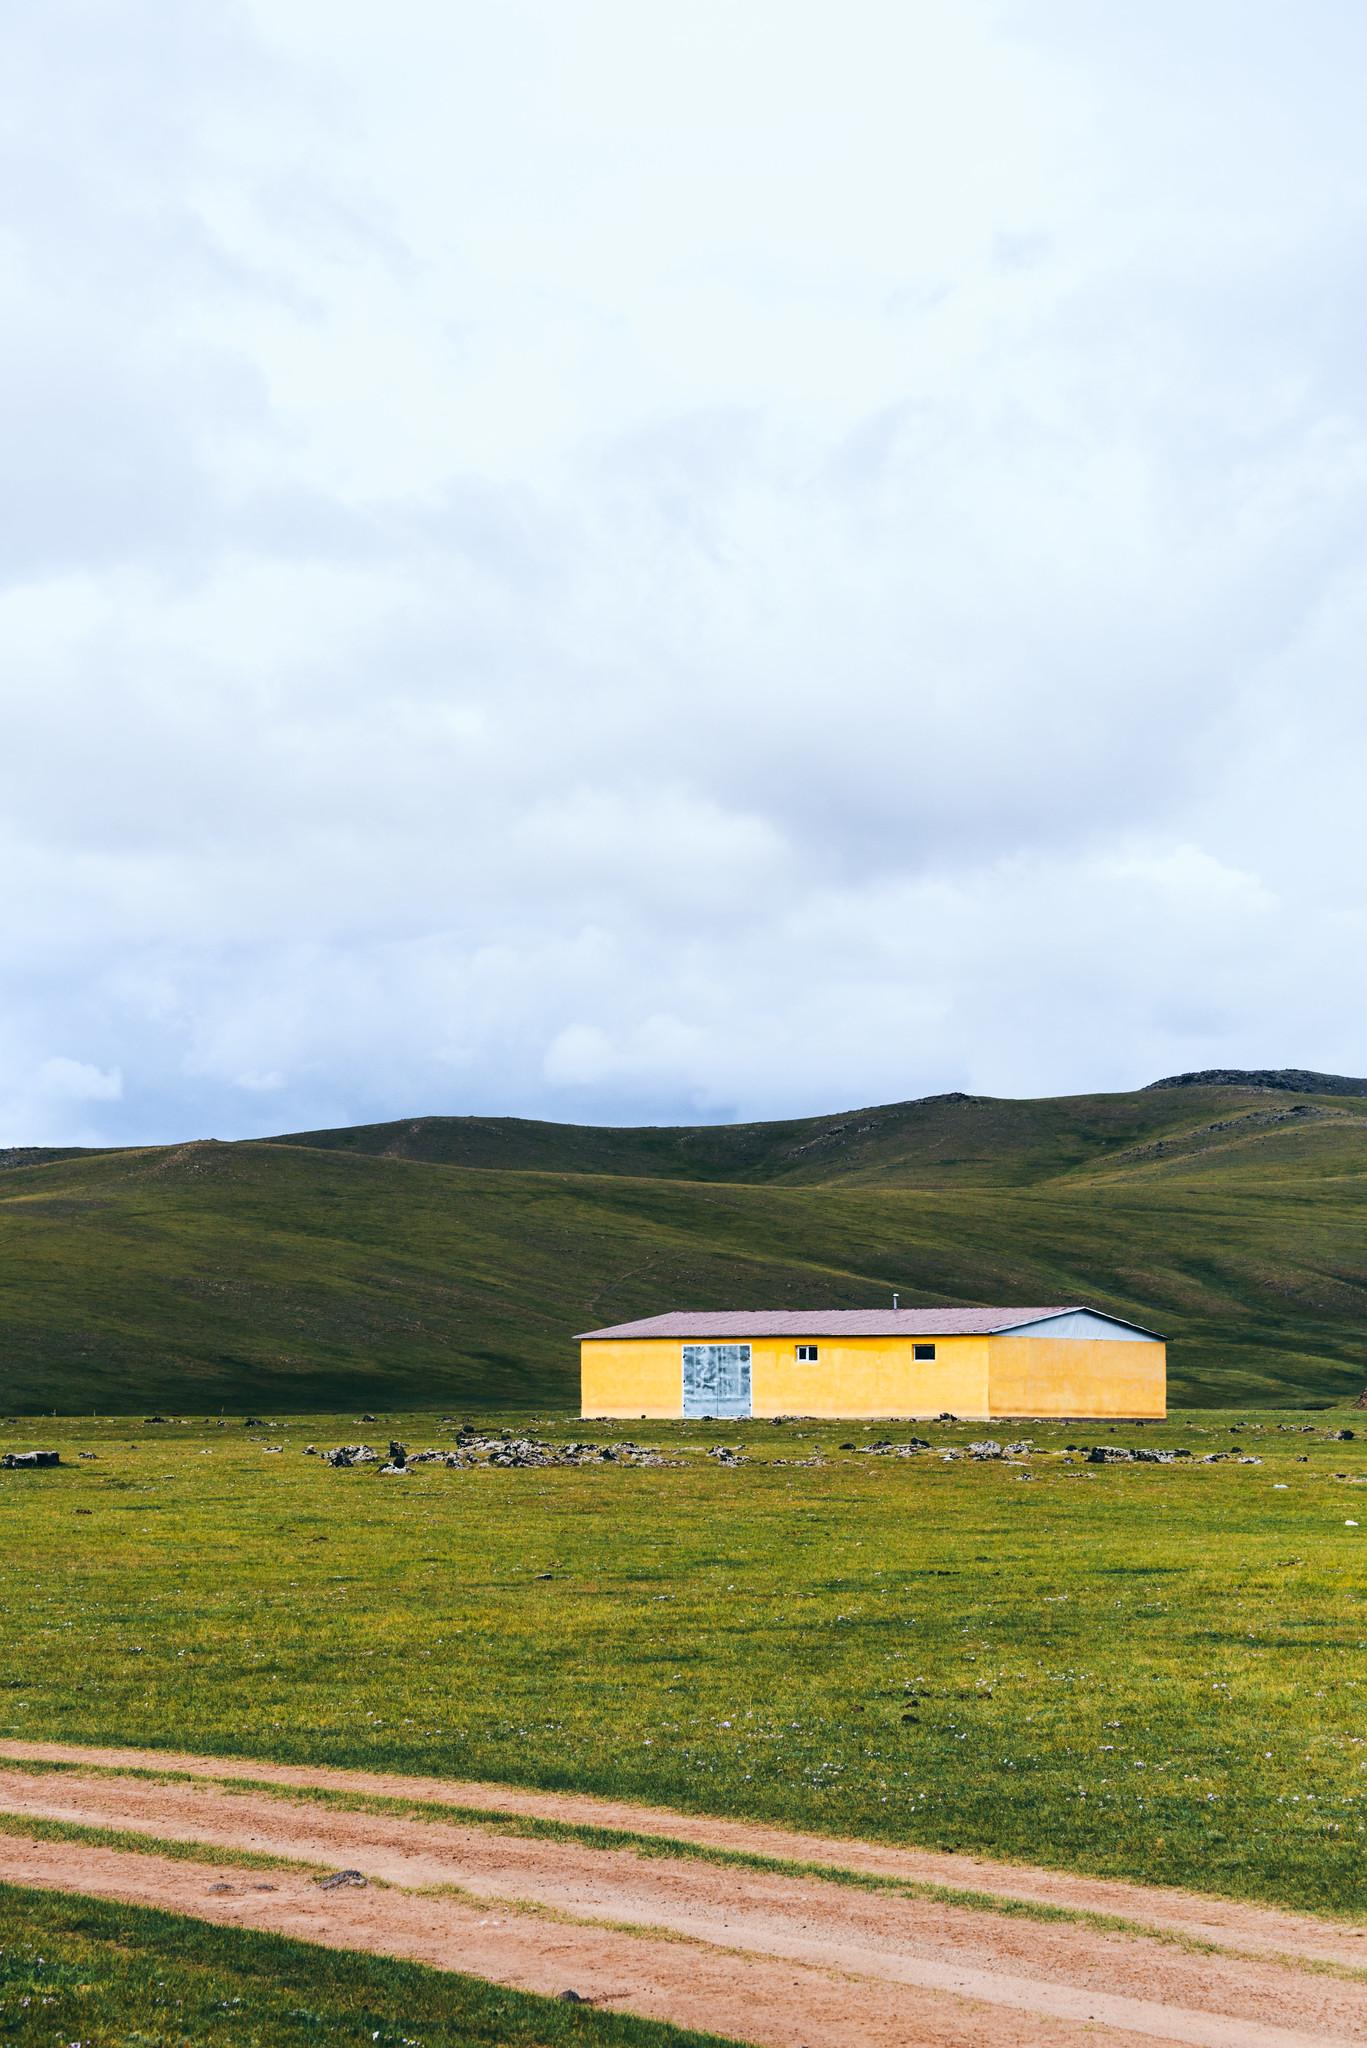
x,y
285,1276
939,1141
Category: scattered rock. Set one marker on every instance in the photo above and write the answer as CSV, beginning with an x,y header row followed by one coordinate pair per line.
x,y
221,1888
989,1448
1342,1436
310,1450
504,1451
22,1461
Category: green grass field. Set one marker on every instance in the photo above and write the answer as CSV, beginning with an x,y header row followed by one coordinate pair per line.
x,y
80,1972
1142,1670
452,1259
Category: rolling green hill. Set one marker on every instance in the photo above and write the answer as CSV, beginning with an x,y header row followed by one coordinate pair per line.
x,y
940,1140
450,1259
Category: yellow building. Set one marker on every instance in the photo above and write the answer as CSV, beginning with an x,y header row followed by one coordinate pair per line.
x,y
977,1363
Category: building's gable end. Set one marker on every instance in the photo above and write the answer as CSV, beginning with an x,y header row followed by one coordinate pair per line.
x,y
1082,1324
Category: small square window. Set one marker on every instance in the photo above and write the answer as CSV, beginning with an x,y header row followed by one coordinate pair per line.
x,y
806,1354
923,1350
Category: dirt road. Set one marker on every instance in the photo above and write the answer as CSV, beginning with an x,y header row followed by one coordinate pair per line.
x,y
759,1954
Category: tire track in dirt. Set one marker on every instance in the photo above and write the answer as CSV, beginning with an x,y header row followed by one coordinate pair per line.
x,y
1236,1924
758,2000
791,1938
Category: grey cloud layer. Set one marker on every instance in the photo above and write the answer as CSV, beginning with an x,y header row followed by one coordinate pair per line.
x,y
563,560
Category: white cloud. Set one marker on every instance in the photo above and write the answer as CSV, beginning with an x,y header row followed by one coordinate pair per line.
x,y
53,1100
78,1081
580,560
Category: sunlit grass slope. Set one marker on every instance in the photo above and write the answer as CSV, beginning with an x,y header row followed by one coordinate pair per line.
x,y
288,1277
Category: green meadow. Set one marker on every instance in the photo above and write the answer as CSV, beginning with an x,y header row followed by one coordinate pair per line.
x,y
1157,1671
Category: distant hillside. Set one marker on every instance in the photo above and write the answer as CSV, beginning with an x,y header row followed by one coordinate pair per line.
x,y
350,1268
40,1155
938,1140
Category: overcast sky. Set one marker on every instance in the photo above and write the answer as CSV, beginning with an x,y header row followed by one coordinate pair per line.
x,y
630,561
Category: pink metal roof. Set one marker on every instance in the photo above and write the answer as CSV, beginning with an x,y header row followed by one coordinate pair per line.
x,y
741,1323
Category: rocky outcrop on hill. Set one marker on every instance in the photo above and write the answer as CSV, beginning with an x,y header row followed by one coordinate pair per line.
x,y
1292,1080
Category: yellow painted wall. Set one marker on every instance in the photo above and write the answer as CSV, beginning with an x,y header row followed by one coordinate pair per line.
x,y
856,1376
631,1377
1077,1377
974,1377
853,1376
